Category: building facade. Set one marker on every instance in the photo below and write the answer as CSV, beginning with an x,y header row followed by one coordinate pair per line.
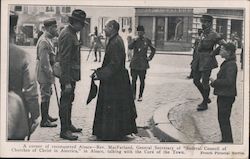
x,y
170,29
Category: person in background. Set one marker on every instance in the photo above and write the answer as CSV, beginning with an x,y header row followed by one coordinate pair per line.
x,y
23,107
45,60
139,63
129,40
96,44
69,58
115,109
225,89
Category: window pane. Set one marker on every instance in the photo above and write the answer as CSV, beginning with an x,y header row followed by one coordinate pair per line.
x,y
18,8
175,29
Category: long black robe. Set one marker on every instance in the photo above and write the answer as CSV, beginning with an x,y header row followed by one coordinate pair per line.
x,y
115,110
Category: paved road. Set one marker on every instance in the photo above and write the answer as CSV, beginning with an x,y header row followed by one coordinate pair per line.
x,y
165,83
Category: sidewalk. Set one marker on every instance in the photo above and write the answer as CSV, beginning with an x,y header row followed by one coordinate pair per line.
x,y
179,120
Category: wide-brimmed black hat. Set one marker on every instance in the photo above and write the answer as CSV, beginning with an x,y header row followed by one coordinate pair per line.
x,y
49,22
79,15
206,17
140,28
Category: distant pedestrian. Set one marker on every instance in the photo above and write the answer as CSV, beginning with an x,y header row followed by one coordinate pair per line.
x,y
115,109
225,89
45,60
23,106
205,61
69,59
139,62
195,47
96,44
129,40
242,58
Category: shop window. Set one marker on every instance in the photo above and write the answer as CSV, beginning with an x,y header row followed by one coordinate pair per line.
x,y
175,29
101,23
125,22
50,9
18,8
65,10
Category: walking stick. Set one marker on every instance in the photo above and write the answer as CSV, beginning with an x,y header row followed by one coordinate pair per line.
x,y
58,103
89,53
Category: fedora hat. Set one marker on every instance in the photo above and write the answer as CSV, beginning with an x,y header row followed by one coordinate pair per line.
x,y
79,15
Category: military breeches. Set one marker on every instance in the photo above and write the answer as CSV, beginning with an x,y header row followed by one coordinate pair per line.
x,y
46,91
66,106
203,86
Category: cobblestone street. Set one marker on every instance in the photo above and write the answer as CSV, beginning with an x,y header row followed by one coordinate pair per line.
x,y
166,84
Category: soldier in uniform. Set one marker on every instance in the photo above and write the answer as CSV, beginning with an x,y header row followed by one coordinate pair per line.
x,y
69,59
139,63
45,60
204,60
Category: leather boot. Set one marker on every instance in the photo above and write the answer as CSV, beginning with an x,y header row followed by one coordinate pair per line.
x,y
68,135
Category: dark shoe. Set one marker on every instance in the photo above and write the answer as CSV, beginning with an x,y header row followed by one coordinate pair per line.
x,y
189,77
48,124
202,107
52,119
95,60
74,129
209,100
139,99
68,136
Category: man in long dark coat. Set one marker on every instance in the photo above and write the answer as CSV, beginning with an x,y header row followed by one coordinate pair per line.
x,y
69,58
115,110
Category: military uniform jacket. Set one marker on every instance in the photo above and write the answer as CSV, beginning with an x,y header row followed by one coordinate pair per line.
x,y
69,55
225,84
45,59
140,60
22,80
204,58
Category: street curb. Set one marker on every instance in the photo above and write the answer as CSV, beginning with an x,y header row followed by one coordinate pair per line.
x,y
163,129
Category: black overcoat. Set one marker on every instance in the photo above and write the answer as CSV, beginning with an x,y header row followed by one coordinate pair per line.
x,y
115,110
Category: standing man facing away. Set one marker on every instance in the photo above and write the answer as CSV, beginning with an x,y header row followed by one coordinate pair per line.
x,y
204,63
23,106
115,109
46,59
69,59
139,63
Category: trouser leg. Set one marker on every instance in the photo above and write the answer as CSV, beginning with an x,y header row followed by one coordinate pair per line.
x,y
224,112
142,76
205,84
72,97
197,82
64,109
134,79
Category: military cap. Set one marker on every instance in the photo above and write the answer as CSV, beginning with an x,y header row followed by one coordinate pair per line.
x,y
140,28
49,22
79,15
207,17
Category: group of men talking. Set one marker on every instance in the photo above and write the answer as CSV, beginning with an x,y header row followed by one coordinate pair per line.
x,y
115,109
